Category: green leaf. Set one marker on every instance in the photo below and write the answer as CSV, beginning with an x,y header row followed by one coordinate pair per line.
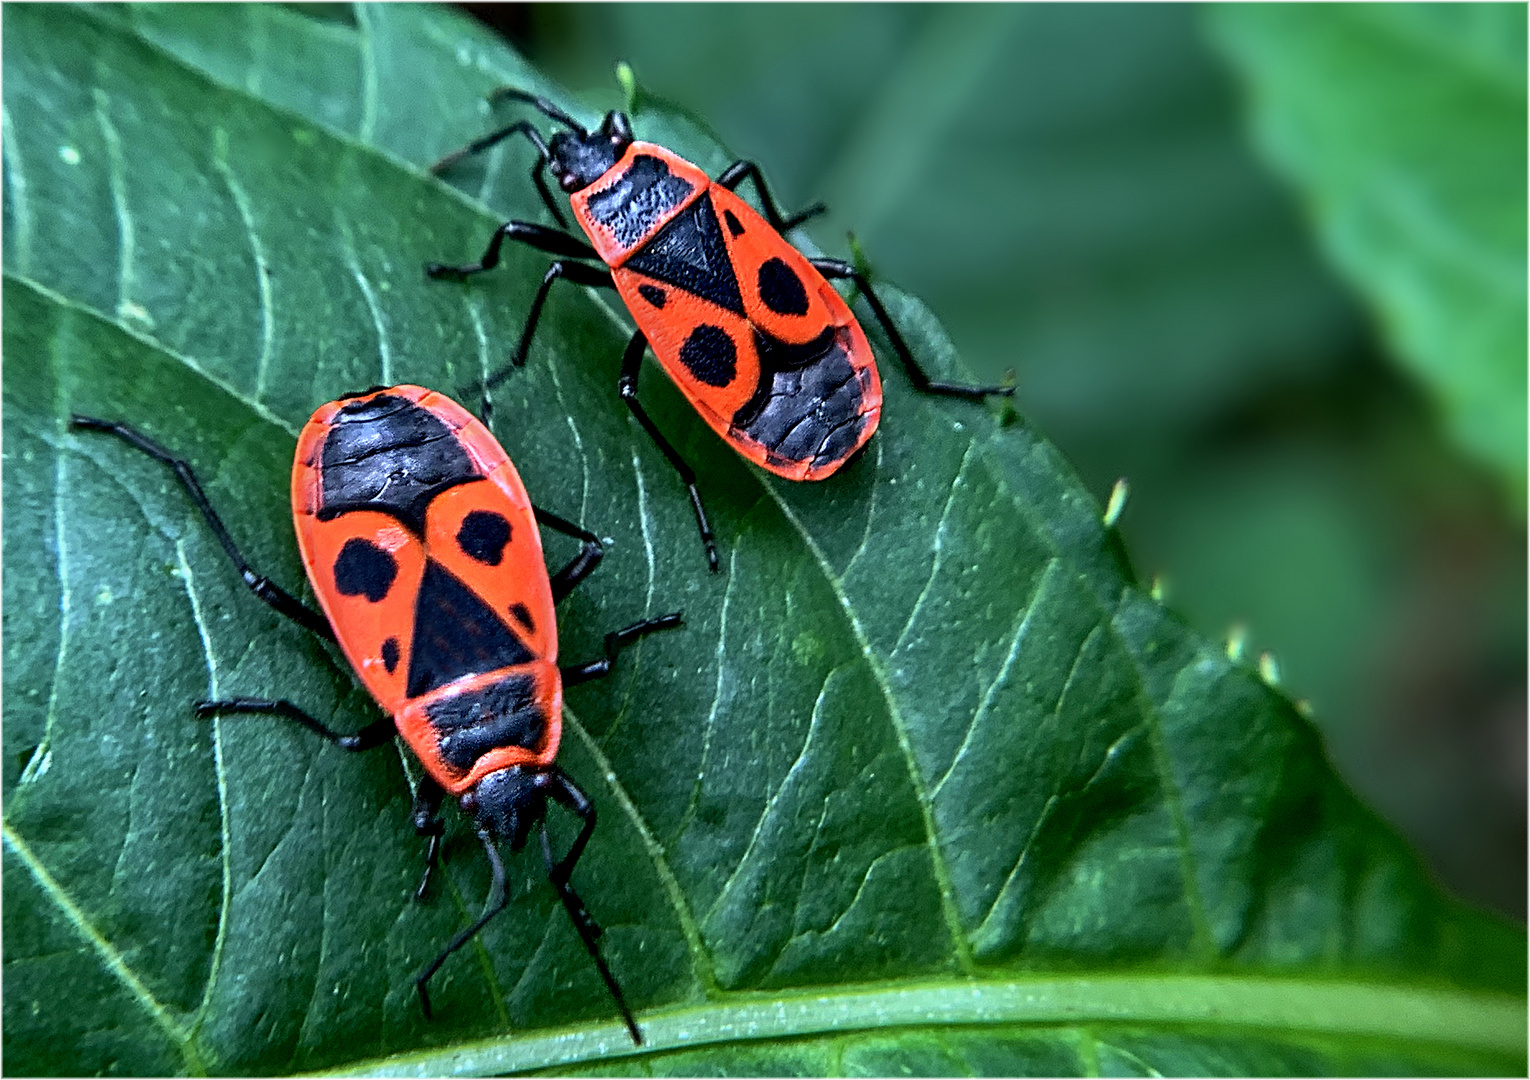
x,y
1404,125
927,783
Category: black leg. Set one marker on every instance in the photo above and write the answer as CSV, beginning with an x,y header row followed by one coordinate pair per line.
x,y
734,175
538,236
626,386
498,897
579,274
520,127
543,239
560,870
263,587
616,641
375,734
583,564
834,268
426,816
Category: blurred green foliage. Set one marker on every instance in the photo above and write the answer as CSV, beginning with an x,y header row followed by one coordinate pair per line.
x,y
1074,190
1404,126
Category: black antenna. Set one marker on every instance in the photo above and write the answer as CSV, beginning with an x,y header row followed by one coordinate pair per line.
x,y
589,930
499,896
478,146
546,107
538,167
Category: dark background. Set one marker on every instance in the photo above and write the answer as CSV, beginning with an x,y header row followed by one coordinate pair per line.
x,y
1073,189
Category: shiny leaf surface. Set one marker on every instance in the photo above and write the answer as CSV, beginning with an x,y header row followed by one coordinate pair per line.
x,y
927,783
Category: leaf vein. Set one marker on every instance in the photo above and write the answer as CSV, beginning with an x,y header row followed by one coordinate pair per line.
x,y
1022,623
770,803
118,190
262,269
137,334
646,524
221,936
711,721
16,185
895,716
65,602
939,547
368,124
871,511
353,262
701,960
109,956
1046,811
568,415
1200,927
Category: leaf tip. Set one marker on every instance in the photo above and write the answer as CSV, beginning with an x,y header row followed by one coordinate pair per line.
x,y
1237,637
1117,504
627,79
1269,669
858,256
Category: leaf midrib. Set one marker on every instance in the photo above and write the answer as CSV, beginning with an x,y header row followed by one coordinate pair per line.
x,y
1293,1006
1413,1014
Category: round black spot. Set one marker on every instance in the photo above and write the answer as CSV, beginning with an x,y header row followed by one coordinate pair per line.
x,y
483,536
523,616
390,654
364,569
781,289
733,226
709,355
653,294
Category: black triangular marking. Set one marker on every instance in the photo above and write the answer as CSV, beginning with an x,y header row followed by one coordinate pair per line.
x,y
456,634
689,252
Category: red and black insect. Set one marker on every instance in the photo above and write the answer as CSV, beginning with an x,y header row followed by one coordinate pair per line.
x,y
422,547
747,326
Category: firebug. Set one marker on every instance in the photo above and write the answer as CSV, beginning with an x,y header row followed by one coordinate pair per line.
x,y
422,547
749,328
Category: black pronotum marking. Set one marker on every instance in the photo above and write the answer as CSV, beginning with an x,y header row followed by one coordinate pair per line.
x,y
483,536
808,404
733,226
710,355
523,616
388,454
653,294
689,252
638,198
390,654
456,634
469,725
781,288
364,569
